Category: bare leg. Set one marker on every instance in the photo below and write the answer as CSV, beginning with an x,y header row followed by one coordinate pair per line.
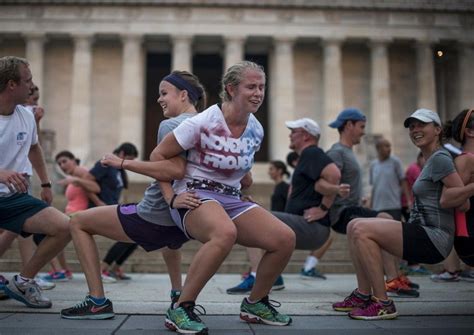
x,y
211,225
95,221
6,239
370,237
363,283
255,255
452,262
319,253
26,247
172,259
55,225
271,235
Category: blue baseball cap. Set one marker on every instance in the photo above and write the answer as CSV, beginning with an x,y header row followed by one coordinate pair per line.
x,y
349,114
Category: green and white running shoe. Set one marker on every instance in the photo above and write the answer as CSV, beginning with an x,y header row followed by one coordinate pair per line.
x,y
263,311
184,320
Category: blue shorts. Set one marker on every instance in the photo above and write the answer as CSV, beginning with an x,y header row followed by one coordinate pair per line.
x,y
149,236
16,209
232,205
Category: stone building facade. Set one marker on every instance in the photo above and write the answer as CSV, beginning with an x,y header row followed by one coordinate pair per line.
x,y
98,63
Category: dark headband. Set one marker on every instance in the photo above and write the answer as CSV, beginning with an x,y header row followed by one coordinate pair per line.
x,y
182,84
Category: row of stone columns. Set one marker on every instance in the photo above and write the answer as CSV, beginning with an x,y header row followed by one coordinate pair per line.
x,y
282,95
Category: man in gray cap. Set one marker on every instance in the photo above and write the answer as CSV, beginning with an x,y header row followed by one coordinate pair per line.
x,y
350,124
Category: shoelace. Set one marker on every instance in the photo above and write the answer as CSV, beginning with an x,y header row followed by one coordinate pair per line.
x,y
191,314
271,304
82,304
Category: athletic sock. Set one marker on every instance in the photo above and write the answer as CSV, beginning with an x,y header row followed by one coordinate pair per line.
x,y
20,279
362,295
98,301
310,263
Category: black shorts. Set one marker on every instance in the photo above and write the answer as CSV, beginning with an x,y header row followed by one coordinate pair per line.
x,y
16,209
396,214
417,246
149,236
465,249
349,213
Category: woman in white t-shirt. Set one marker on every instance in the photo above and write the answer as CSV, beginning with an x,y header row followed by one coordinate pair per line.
x,y
221,143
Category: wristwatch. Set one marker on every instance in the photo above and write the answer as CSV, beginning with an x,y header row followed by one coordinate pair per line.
x,y
323,207
47,184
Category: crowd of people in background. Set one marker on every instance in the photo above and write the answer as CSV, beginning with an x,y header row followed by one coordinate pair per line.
x,y
201,164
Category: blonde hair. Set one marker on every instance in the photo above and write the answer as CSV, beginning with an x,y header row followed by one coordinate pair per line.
x,y
233,76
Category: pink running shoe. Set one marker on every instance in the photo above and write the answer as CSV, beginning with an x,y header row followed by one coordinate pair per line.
x,y
350,302
375,310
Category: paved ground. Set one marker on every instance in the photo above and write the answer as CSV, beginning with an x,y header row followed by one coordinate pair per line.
x,y
141,303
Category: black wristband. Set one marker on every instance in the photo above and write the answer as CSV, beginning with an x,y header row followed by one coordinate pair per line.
x,y
172,200
121,164
323,207
47,184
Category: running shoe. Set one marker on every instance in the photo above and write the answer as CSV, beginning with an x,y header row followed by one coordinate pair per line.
x,y
247,284
375,310
3,283
263,311
107,277
279,284
352,301
244,287
407,281
68,274
467,275
418,271
44,284
28,293
398,288
312,274
446,277
183,319
55,276
119,274
88,310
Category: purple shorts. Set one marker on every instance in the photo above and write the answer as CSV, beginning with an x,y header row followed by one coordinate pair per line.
x,y
148,235
231,204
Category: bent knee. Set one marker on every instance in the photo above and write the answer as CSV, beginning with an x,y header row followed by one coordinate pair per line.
x,y
225,237
78,222
356,228
284,240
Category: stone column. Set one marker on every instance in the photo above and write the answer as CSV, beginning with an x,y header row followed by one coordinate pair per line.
x,y
333,101
282,96
466,73
234,50
35,56
182,54
425,75
80,117
131,97
381,115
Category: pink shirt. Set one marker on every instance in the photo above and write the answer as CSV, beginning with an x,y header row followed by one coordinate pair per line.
x,y
77,199
413,171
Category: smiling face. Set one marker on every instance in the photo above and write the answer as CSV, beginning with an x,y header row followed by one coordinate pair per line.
x,y
248,95
171,99
424,134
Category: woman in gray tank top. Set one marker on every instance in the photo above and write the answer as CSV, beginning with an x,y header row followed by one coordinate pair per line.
x,y
428,235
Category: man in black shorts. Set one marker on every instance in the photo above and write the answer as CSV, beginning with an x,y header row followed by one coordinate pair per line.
x,y
19,212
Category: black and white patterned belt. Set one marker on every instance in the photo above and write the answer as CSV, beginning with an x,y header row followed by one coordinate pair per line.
x,y
213,186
